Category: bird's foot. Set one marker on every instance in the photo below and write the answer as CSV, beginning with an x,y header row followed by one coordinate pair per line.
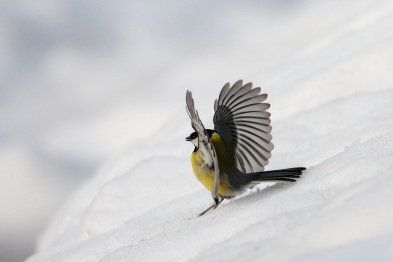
x,y
216,202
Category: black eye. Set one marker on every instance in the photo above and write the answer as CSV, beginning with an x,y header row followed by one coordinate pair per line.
x,y
193,135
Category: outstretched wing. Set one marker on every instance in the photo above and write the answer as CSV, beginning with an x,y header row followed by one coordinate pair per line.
x,y
242,122
204,142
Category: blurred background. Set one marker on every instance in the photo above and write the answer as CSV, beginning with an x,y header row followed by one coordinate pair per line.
x,y
82,80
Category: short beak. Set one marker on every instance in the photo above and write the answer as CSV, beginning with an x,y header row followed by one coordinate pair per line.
x,y
188,138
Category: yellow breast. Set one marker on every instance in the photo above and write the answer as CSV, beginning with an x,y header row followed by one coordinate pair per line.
x,y
206,176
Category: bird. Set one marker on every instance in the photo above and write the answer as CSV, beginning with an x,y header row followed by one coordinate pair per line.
x,y
230,158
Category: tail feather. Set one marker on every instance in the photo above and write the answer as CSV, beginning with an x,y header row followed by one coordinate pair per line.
x,y
282,175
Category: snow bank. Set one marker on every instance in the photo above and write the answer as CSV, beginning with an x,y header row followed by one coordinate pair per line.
x,y
332,111
340,208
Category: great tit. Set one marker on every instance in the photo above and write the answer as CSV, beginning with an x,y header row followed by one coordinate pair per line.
x,y
232,157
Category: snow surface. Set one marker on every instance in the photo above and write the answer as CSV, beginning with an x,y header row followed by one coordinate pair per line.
x,y
331,96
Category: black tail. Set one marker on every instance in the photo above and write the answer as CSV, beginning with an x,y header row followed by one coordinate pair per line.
x,y
286,175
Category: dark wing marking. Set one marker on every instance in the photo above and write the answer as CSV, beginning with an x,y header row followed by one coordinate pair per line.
x,y
242,122
204,142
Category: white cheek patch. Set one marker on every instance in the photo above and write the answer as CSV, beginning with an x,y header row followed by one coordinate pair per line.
x,y
195,141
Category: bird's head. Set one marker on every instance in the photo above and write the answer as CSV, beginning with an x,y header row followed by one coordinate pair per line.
x,y
193,138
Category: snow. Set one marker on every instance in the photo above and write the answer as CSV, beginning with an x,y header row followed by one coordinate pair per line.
x,y
117,79
340,209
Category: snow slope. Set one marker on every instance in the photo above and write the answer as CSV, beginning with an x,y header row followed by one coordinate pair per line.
x,y
340,208
332,111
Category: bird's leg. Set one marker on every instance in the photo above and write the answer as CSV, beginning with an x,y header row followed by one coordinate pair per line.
x,y
216,201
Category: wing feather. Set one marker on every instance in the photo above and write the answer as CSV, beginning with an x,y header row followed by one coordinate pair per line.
x,y
224,91
232,91
242,155
203,138
251,100
242,122
243,90
253,152
252,114
250,94
263,122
